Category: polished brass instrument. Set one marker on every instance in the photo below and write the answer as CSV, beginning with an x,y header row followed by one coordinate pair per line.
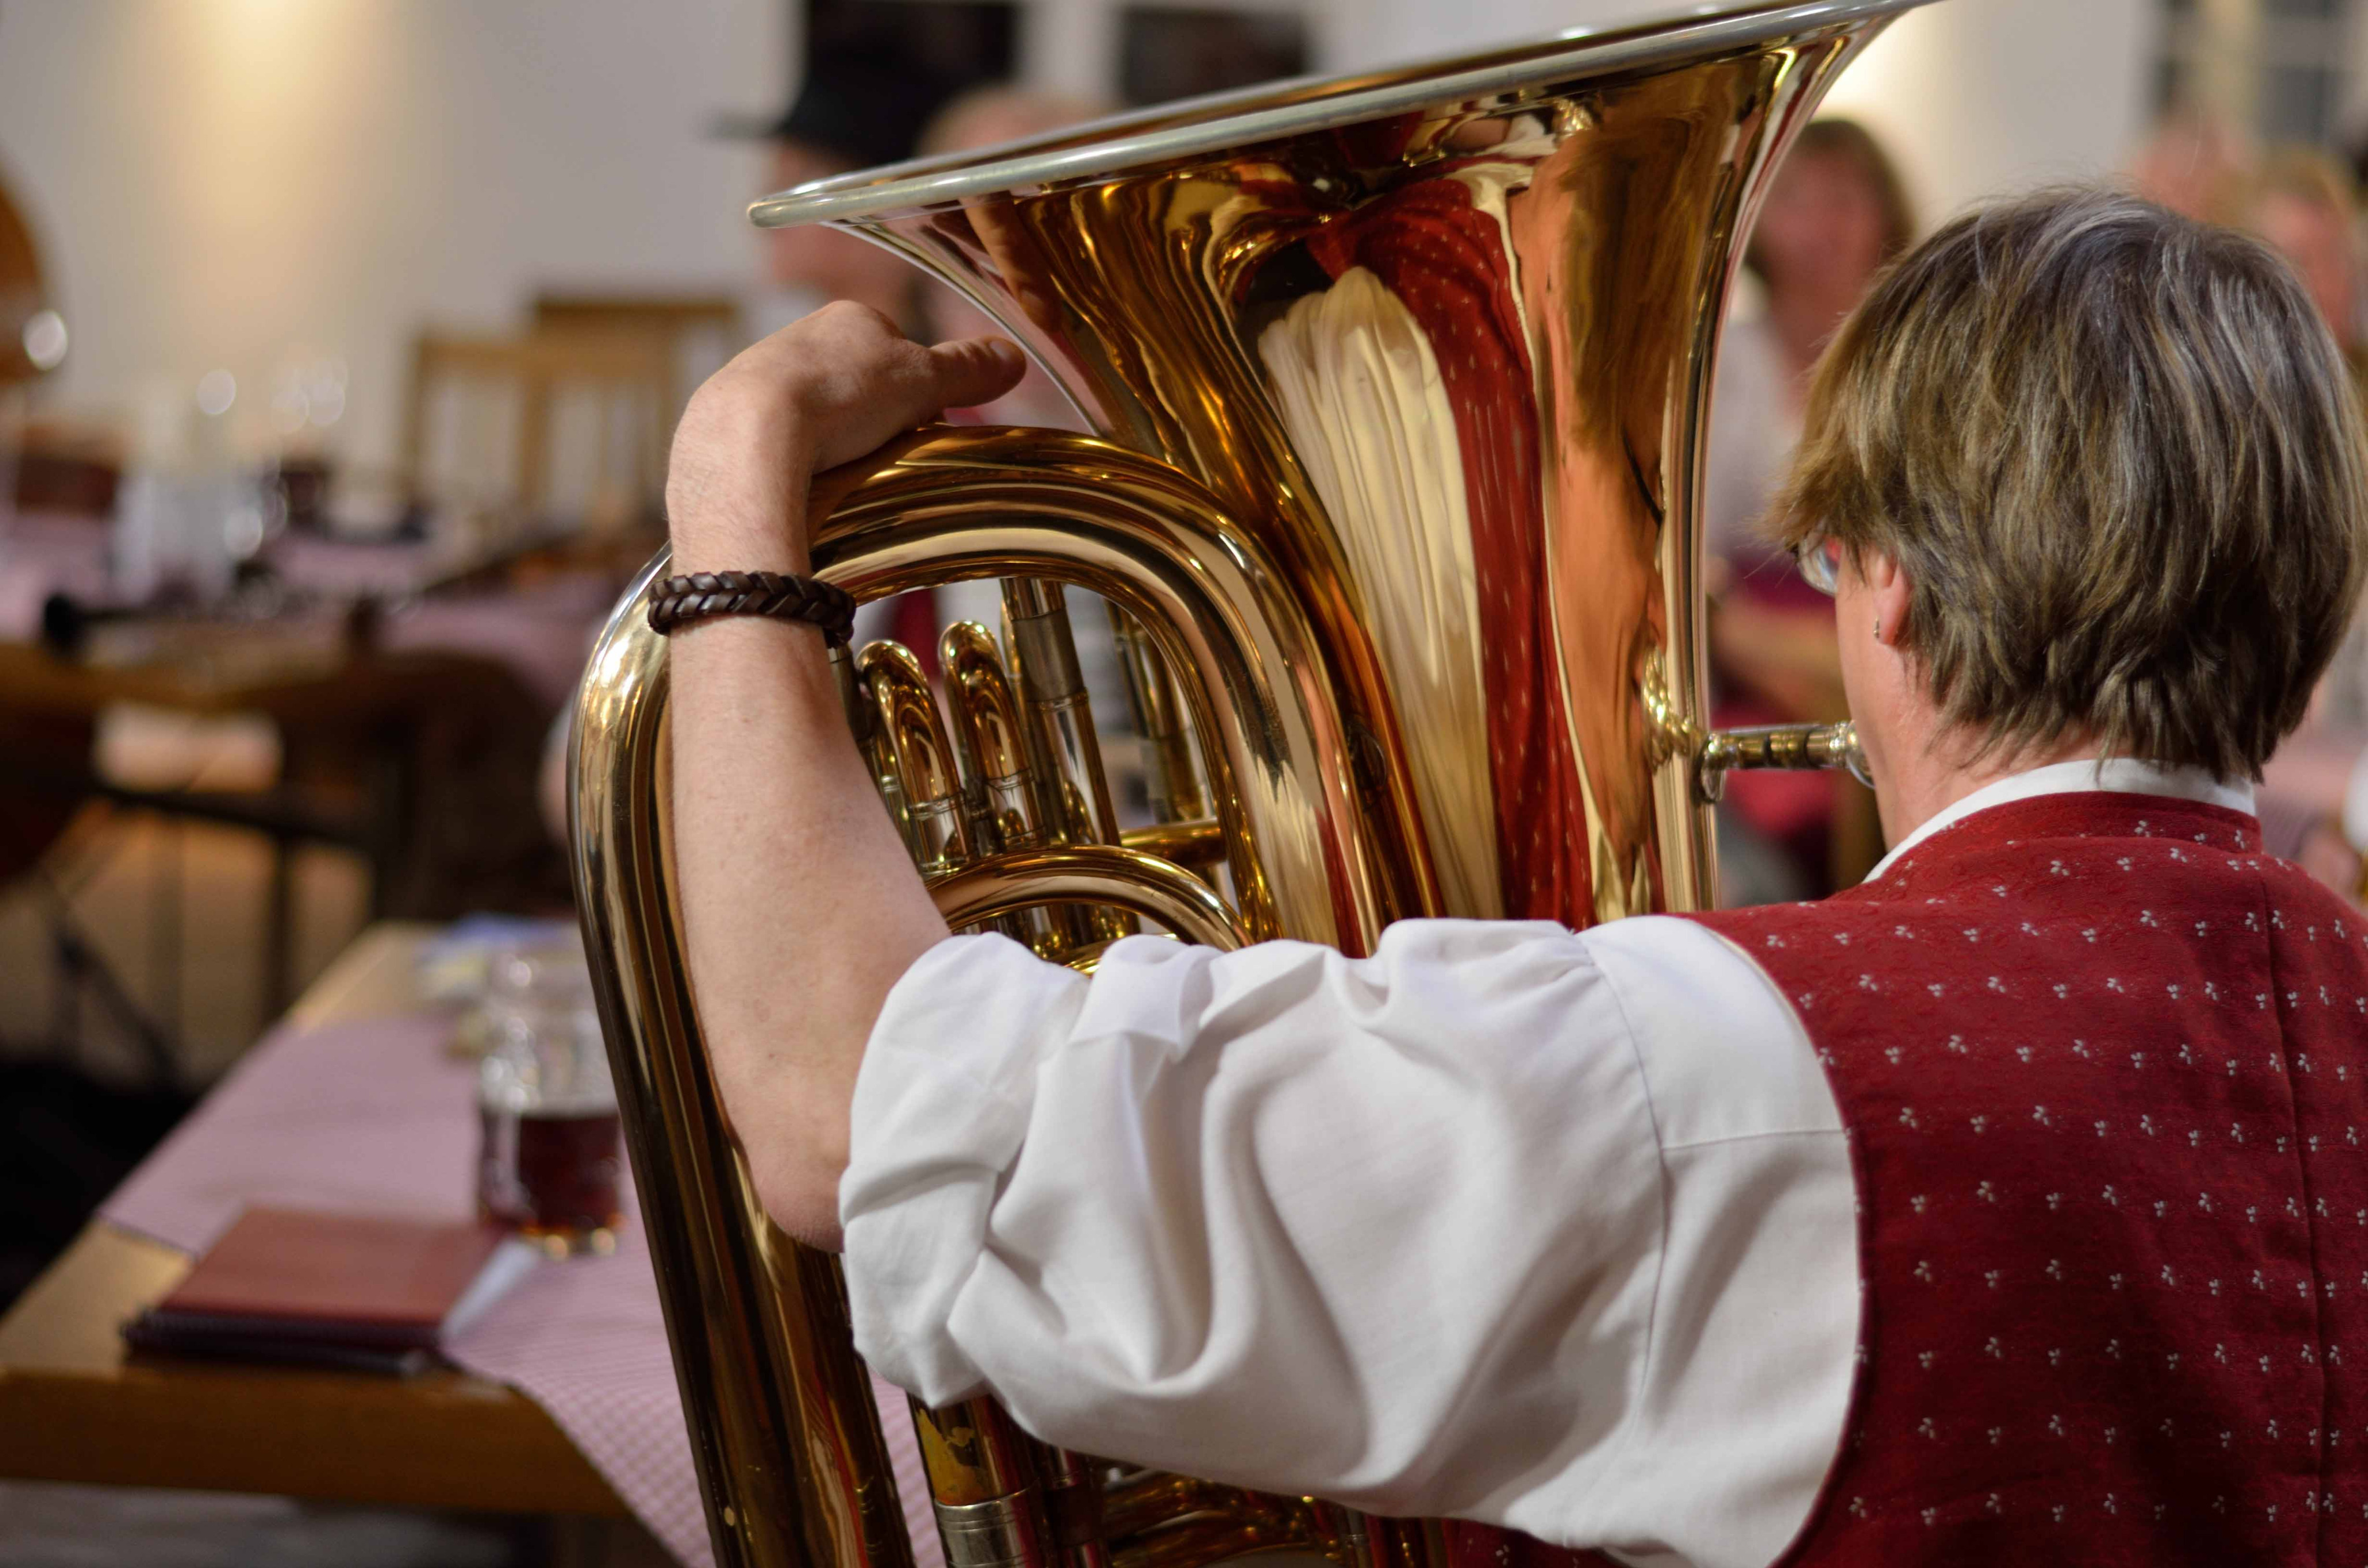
x,y
1398,383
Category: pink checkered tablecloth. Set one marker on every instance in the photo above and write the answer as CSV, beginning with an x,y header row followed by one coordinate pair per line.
x,y
540,634
376,1117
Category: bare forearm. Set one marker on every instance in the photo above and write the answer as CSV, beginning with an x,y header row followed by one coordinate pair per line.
x,y
799,907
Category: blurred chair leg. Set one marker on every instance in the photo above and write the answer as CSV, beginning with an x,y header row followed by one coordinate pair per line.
x,y
278,929
82,968
65,994
166,950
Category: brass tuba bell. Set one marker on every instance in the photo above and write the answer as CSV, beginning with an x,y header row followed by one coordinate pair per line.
x,y
1398,382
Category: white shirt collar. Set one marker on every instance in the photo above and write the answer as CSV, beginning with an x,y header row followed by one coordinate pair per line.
x,y
2122,774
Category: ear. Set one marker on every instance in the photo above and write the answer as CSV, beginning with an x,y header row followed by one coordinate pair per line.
x,y
1887,587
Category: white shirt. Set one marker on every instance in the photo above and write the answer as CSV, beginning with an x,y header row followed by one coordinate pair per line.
x,y
1504,1223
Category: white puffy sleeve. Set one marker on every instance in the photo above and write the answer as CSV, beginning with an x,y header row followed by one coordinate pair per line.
x,y
1392,1230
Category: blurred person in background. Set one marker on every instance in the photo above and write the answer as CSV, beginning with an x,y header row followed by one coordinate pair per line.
x,y
1835,216
2305,206
981,118
2314,799
988,117
856,111
2195,164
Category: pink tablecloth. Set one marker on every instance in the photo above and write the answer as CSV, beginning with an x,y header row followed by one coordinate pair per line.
x,y
541,632
375,1117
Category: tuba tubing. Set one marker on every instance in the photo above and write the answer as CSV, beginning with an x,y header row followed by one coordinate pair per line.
x,y
1402,378
1002,884
757,1322
980,502
792,1461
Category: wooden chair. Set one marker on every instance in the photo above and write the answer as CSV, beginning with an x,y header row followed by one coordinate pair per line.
x,y
702,331
482,421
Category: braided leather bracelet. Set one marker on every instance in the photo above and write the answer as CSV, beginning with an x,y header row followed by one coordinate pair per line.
x,y
675,602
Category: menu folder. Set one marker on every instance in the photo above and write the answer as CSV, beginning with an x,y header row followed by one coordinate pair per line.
x,y
359,1292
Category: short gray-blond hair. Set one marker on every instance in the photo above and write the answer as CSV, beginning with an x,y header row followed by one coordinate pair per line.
x,y
2119,458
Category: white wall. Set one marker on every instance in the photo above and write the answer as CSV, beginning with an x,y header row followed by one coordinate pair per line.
x,y
232,183
229,183
1974,96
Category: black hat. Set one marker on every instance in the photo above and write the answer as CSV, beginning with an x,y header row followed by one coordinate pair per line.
x,y
863,106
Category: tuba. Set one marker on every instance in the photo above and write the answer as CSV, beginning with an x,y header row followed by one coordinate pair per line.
x,y
1398,383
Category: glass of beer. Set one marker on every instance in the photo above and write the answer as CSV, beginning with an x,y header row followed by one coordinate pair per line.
x,y
549,1159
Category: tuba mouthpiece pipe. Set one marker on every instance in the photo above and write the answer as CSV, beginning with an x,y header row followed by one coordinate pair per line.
x,y
1778,745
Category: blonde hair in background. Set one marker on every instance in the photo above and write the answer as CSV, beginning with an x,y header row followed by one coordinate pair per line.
x,y
2120,459
2308,174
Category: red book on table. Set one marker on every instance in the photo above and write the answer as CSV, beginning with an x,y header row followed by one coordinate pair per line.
x,y
372,1291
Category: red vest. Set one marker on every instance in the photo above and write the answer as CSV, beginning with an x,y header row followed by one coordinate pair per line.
x,y
2104,1069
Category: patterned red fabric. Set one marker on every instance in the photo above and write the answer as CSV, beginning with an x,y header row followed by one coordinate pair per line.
x,y
1443,257
2102,1067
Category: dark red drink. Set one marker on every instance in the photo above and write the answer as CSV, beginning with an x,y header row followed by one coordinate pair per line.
x,y
554,1177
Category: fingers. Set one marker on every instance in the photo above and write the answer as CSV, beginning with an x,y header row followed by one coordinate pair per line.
x,y
861,357
903,384
837,383
974,369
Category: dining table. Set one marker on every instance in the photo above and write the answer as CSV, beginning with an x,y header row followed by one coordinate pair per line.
x,y
560,1400
409,687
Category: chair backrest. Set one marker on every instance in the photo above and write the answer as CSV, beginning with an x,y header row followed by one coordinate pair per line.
x,y
702,331
547,423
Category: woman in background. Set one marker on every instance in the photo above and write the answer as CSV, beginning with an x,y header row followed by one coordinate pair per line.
x,y
2305,206
1835,216
2314,799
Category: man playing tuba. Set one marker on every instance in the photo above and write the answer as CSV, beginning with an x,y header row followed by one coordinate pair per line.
x,y
2011,1204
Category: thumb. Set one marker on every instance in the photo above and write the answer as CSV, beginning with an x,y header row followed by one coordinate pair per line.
x,y
973,371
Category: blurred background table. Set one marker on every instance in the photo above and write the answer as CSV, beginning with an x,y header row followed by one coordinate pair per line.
x,y
200,806
75,1406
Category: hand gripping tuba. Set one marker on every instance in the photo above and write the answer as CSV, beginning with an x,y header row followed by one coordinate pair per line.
x,y
1398,382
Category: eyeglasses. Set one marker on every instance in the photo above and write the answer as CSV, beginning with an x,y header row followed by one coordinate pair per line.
x,y
1820,559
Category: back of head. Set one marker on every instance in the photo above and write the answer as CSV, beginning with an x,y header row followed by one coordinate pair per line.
x,y
2119,458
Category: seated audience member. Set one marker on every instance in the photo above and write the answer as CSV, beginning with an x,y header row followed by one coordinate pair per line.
x,y
1997,1210
1835,215
2304,207
857,113
2197,165
2314,802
